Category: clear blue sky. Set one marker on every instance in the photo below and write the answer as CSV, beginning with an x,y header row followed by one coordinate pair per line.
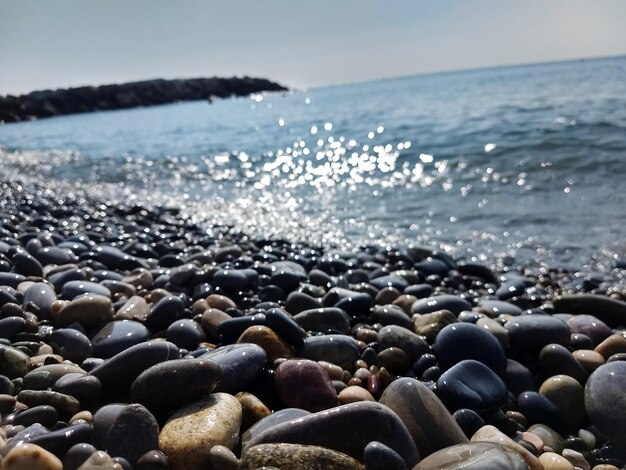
x,y
60,43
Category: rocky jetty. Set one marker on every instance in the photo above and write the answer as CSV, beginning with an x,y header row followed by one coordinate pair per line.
x,y
47,103
134,338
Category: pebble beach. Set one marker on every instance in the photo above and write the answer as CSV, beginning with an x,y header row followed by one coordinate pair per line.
x,y
132,337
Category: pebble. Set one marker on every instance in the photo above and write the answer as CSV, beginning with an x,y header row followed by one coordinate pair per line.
x,y
117,336
430,424
336,349
185,333
253,409
305,384
113,426
324,319
552,461
278,417
188,436
66,405
555,359
441,302
474,456
393,336
89,310
530,333
222,458
274,346
239,365
13,362
462,341
549,437
567,395
590,326
590,360
489,433
77,455
431,324
353,394
471,384
614,344
73,289
364,422
31,457
377,456
70,343
171,384
610,311
100,460
605,402
296,457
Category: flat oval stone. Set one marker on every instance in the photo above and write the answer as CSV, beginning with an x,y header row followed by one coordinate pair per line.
x,y
567,394
441,302
32,457
552,461
336,349
298,302
304,384
27,265
66,405
474,456
44,414
471,384
354,393
511,288
56,255
296,457
77,455
239,365
391,315
89,310
530,333
61,440
614,344
117,336
430,324
113,424
171,384
191,432
590,326
393,336
230,279
461,341
71,344
324,319
41,295
13,362
135,308
11,326
165,311
117,374
185,333
85,388
588,359
556,359
274,346
377,456
279,416
364,422
605,401
538,409
73,289
351,302
286,327
611,311
391,280
430,424
495,308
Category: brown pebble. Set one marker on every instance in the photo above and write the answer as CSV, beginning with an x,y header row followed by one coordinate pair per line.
x,y
553,461
274,346
405,302
30,457
334,371
354,393
614,344
210,321
220,302
589,359
253,409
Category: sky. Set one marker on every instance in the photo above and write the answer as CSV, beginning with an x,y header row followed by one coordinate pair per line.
x,y
60,43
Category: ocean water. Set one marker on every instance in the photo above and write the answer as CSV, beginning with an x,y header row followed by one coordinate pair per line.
x,y
526,162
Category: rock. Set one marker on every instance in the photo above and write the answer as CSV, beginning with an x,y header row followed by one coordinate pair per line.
x,y
393,336
135,308
42,296
13,362
296,457
73,289
611,311
117,336
305,384
430,324
552,461
324,319
539,410
185,333
353,394
468,420
31,457
511,288
391,280
223,458
89,310
588,359
298,302
153,460
614,344
337,349
549,436
165,312
474,456
77,455
391,315
556,359
495,308
118,373
605,401
43,414
568,396
66,405
530,333
278,417
461,341
428,421
239,365
253,409
590,326
85,388
273,345
441,302
61,440
171,384
377,456
100,461
490,433
191,432
471,384
363,422
113,424
71,344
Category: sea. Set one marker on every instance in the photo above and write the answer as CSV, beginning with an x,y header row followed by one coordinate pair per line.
x,y
520,163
